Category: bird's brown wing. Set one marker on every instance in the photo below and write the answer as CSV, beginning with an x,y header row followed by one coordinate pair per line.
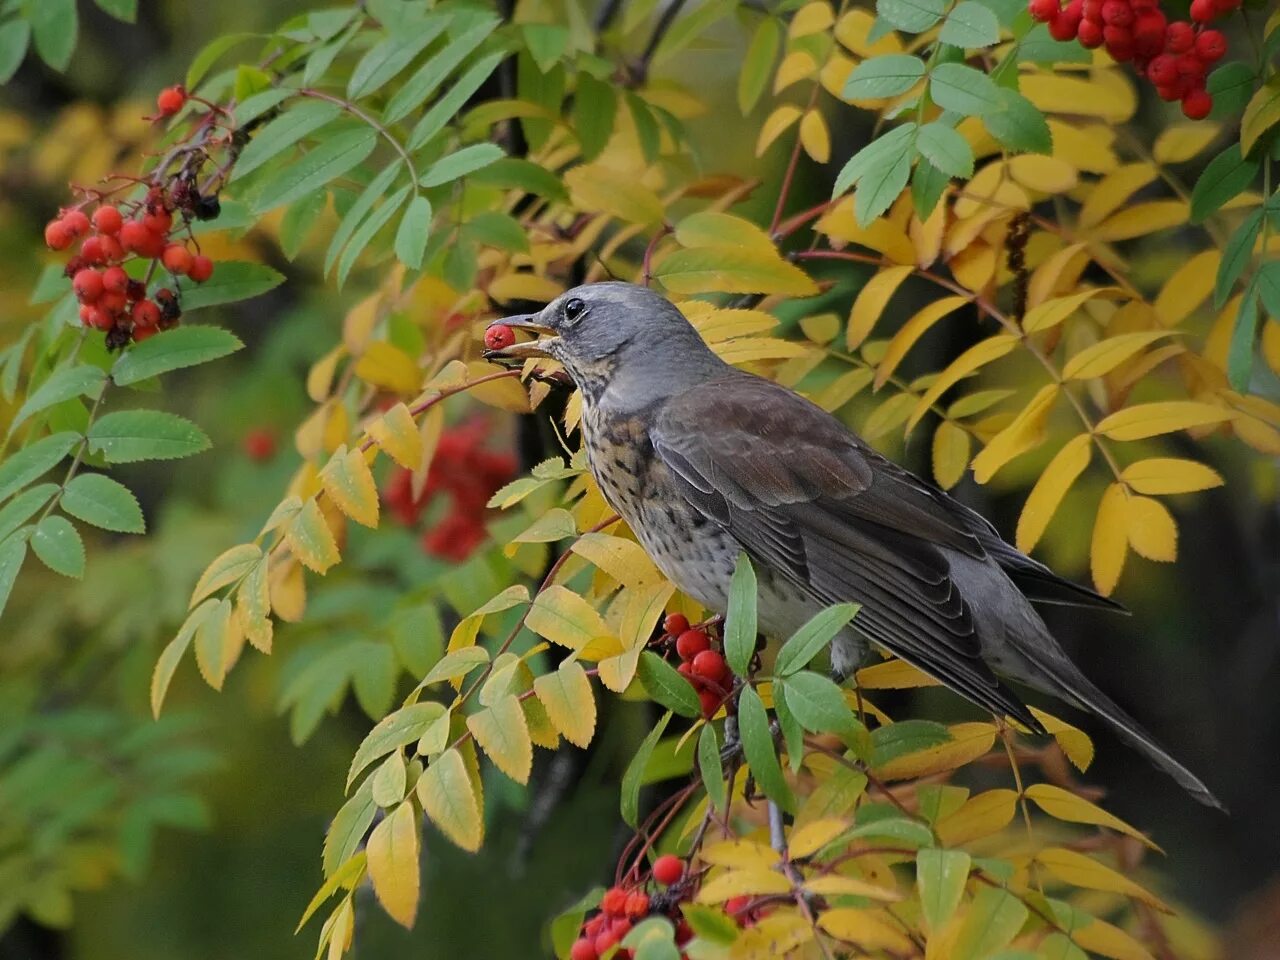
x,y
807,500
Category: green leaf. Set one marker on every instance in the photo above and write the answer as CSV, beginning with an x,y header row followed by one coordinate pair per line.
x,y
13,551
634,774
884,76
210,53
740,627
317,168
964,90
970,25
446,108
357,212
56,542
460,163
34,460
396,730
63,384
415,91
940,877
1037,46
283,132
386,59
173,350
927,184
757,746
512,173
881,187
14,37
1018,124
493,228
1227,175
299,220
414,230
883,150
945,149
260,103
994,918
103,502
55,25
594,106
231,282
894,829
1231,85
647,131
126,10
348,828
913,16
757,64
906,736
368,230
807,642
1236,256
820,705
131,435
23,507
711,769
546,43
708,923
666,686
792,731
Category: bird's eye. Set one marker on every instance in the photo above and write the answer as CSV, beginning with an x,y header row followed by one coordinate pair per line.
x,y
574,309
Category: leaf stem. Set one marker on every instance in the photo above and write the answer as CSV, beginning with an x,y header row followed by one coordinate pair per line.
x,y
355,111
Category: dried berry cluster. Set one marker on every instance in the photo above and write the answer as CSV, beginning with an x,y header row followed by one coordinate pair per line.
x,y
701,664
1174,55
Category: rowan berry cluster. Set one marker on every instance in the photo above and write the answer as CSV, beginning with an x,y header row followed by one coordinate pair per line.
x,y
621,907
701,664
1174,55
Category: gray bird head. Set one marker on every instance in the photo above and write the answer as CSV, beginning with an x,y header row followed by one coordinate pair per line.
x,y
601,331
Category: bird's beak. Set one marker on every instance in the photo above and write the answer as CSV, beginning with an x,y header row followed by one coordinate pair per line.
x,y
526,349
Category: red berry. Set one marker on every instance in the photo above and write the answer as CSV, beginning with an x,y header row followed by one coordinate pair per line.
x,y
1091,11
171,100
1063,27
1211,45
1043,10
113,301
1179,37
161,221
619,927
134,236
1163,70
1119,41
176,258
583,949
499,337
1117,13
145,313
710,702
668,869
605,941
57,235
637,905
1191,67
675,624
76,221
91,316
110,248
201,268
1203,11
710,666
115,279
1197,104
1226,6
690,643
87,285
614,901
260,444
684,932
91,250
107,219
686,670
1090,34
144,333
736,907
596,923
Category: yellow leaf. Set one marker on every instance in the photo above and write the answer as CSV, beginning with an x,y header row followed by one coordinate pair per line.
x,y
870,303
1260,115
777,934
1180,142
1107,940
775,125
1141,220
811,18
843,389
1163,475
525,286
1187,288
950,454
1110,193
1025,432
743,854
854,30
566,695
835,885
1152,531
1088,147
1046,174
751,349
718,325
712,229
894,675
866,928
1101,358
835,73
444,790
1152,419
310,538
812,837
815,137
1060,93
171,656
882,234
910,332
596,187
623,560
1110,539
216,643
733,270
342,925
253,605
1050,313
1075,743
320,376
976,357
743,883
1082,871
980,816
1047,494
349,484
358,324
503,734
556,524
386,365
228,567
288,590
1057,273
393,863
430,431
563,617
796,66
892,413
968,742
397,434
464,634
504,394
821,328
1064,805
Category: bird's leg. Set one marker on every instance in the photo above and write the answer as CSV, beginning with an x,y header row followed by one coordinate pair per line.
x,y
849,651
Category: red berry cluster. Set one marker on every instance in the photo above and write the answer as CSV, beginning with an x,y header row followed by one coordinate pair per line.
x,y
110,299
469,474
499,337
1175,56
701,665
621,907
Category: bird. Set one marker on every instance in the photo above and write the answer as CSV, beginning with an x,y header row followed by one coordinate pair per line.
x,y
705,461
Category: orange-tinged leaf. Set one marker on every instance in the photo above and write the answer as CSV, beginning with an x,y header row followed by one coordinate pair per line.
x,y
1064,805
950,454
775,125
870,303
910,332
386,365
449,800
1152,531
563,617
1110,193
733,270
968,742
1025,432
1046,496
742,854
976,357
1080,870
1188,287
1101,358
393,863
397,434
978,817
753,882
503,734
310,538
869,929
709,228
349,483
566,695
1152,419
1164,475
1180,142
1110,539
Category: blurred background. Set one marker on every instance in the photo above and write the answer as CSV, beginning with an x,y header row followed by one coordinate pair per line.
x,y
199,837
